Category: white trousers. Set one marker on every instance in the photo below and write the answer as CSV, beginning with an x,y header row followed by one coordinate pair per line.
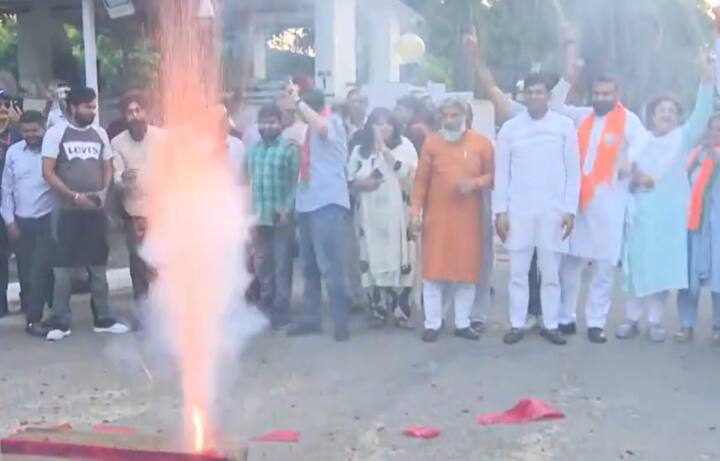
x,y
599,298
434,295
483,300
519,290
653,304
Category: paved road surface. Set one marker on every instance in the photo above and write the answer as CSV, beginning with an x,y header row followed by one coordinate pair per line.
x,y
624,401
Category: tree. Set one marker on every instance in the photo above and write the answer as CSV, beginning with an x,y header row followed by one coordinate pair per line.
x,y
650,45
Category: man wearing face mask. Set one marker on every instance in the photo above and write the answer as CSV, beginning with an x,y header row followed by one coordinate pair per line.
x,y
608,136
537,185
132,149
272,168
456,165
77,163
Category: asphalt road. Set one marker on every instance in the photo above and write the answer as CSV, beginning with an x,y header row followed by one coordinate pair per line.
x,y
623,400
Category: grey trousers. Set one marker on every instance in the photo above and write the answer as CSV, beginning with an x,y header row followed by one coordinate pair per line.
x,y
99,293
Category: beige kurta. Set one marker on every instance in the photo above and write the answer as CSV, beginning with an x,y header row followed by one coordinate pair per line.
x,y
452,233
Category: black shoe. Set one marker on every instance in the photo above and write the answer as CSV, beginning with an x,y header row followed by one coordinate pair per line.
x,y
597,335
37,329
478,325
341,335
430,335
568,328
304,329
467,333
513,336
554,336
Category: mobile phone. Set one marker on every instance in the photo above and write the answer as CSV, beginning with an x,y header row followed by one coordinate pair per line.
x,y
376,174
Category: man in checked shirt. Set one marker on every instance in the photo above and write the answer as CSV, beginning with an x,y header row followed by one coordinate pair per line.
x,y
272,168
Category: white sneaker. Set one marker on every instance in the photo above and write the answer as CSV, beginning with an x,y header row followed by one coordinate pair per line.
x,y
533,321
56,334
110,326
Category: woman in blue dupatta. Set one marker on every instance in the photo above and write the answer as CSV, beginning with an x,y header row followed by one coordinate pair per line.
x,y
655,250
703,235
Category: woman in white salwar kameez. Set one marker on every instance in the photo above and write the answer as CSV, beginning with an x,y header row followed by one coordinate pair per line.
x,y
380,172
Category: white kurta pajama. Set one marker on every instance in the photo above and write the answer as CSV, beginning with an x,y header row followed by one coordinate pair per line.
x,y
598,233
537,181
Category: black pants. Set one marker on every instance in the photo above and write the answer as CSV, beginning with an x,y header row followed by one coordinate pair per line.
x,y
34,255
534,304
4,275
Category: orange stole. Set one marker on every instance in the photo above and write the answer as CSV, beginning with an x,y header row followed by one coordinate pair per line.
x,y
700,187
608,147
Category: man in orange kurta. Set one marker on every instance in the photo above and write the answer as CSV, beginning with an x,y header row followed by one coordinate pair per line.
x,y
455,166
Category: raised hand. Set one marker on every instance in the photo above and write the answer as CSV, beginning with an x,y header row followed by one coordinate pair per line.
x,y
707,64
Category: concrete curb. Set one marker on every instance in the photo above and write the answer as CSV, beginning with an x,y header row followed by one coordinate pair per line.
x,y
118,279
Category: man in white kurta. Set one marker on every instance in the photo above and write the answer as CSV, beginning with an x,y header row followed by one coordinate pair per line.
x,y
598,233
537,186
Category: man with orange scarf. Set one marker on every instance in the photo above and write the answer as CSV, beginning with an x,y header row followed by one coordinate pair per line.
x,y
607,135
322,202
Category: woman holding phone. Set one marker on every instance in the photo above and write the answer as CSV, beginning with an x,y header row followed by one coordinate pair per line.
x,y
380,173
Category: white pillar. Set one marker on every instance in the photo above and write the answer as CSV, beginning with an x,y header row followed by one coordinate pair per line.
x,y
384,62
35,50
259,53
89,44
335,53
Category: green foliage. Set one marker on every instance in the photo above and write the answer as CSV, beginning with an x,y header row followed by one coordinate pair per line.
x,y
8,44
650,45
121,65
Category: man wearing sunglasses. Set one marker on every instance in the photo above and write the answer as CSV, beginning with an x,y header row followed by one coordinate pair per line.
x,y
9,135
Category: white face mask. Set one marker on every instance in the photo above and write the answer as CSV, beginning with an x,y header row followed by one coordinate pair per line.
x,y
452,135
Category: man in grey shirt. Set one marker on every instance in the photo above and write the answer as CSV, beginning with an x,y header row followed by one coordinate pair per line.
x,y
26,205
77,163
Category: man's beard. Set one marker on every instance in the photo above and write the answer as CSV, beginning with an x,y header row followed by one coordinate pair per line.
x,y
138,129
602,108
269,136
453,132
83,121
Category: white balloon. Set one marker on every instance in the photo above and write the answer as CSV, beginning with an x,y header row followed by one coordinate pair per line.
x,y
410,48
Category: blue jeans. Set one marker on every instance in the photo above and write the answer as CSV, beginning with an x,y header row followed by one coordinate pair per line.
x,y
688,308
321,251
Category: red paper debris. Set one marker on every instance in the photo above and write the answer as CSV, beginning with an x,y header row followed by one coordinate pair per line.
x,y
57,428
281,435
76,450
525,411
422,432
113,429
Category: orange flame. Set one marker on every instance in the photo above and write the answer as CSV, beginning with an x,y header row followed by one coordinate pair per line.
x,y
199,428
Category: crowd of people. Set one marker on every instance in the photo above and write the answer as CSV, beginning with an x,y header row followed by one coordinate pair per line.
x,y
395,211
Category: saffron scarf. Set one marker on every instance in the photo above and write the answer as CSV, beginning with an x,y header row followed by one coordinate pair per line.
x,y
304,166
607,150
706,170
